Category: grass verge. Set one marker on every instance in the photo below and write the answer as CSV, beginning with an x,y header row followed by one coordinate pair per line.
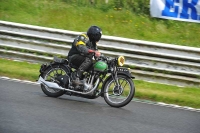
x,y
183,96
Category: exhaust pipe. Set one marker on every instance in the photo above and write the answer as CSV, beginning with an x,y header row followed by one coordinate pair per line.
x,y
52,85
49,84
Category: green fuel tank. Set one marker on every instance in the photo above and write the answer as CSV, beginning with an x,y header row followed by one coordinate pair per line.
x,y
100,66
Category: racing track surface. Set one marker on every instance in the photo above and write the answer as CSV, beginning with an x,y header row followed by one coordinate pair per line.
x,y
25,109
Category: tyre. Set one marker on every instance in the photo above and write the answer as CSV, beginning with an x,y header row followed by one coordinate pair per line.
x,y
50,75
119,96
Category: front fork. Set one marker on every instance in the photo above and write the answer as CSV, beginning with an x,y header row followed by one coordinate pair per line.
x,y
114,76
117,90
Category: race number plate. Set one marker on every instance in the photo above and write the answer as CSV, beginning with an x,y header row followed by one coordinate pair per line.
x,y
123,70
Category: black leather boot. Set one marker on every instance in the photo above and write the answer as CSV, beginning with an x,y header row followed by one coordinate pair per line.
x,y
76,76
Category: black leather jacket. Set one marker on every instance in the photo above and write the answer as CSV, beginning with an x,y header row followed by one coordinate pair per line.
x,y
81,45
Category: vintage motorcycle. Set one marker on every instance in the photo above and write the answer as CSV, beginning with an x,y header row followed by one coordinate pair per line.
x,y
106,78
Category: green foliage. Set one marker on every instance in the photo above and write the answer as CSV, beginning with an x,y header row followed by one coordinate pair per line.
x,y
136,6
118,3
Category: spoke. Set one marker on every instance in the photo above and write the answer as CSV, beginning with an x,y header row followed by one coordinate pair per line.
x,y
122,82
51,76
125,84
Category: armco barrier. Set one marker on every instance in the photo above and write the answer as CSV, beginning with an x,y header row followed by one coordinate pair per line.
x,y
151,61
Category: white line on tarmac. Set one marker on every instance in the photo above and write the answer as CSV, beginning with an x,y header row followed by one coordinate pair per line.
x,y
134,99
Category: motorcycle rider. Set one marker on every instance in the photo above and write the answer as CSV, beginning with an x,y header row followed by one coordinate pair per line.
x,y
82,50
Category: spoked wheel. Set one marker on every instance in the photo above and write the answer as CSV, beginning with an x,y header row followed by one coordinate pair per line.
x,y
119,96
50,75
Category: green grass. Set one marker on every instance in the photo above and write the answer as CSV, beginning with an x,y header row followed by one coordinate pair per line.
x,y
66,14
19,70
183,96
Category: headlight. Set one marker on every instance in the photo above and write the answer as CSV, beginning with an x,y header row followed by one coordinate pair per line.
x,y
121,60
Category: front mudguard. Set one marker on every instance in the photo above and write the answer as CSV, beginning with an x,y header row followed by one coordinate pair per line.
x,y
128,74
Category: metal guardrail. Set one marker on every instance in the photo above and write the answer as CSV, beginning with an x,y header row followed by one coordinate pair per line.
x,y
151,61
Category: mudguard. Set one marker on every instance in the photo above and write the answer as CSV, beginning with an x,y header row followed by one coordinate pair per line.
x,y
56,61
125,71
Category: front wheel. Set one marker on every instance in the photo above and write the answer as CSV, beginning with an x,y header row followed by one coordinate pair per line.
x,y
119,96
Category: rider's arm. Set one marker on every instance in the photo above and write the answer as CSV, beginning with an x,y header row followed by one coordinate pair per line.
x,y
83,49
81,45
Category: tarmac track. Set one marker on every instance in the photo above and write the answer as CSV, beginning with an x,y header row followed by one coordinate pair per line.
x,y
24,108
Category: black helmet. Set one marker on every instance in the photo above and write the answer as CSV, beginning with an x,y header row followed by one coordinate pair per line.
x,y
94,33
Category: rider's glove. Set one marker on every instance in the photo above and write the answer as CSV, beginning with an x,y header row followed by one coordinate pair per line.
x,y
97,54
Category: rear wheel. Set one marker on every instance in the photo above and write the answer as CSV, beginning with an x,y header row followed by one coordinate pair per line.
x,y
119,96
50,75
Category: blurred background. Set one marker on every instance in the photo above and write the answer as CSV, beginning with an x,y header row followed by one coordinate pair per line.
x,y
124,18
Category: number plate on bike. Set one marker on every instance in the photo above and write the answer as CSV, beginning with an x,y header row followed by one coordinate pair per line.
x,y
122,70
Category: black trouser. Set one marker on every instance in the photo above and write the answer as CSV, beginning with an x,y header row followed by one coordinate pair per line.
x,y
82,62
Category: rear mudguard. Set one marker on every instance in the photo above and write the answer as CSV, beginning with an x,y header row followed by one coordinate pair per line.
x,y
44,67
125,73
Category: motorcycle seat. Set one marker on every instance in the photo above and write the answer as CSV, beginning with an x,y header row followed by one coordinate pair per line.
x,y
59,60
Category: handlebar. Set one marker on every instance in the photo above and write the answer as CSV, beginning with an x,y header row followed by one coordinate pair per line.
x,y
104,58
